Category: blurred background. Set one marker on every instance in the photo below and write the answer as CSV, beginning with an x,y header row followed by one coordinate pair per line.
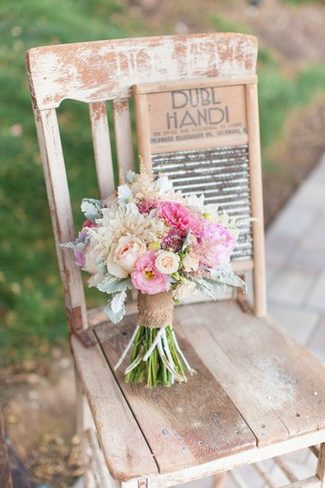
x,y
35,369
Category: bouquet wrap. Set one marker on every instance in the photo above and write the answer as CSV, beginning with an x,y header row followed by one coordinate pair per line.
x,y
155,311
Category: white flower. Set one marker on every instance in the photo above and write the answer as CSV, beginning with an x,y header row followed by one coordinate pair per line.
x,y
124,193
167,262
124,220
190,262
195,201
163,185
122,259
184,289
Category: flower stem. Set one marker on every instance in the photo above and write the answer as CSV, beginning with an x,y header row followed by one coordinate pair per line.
x,y
163,365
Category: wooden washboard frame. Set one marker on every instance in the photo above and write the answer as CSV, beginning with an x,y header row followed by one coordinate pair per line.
x,y
224,164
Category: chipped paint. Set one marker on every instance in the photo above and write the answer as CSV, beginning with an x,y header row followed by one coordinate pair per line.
x,y
105,70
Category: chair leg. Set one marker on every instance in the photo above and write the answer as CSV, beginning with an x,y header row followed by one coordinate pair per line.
x,y
321,464
82,423
96,474
219,480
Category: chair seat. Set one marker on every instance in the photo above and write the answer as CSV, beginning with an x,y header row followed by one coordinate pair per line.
x,y
255,386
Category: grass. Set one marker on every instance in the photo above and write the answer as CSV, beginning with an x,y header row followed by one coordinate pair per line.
x,y
305,2
31,297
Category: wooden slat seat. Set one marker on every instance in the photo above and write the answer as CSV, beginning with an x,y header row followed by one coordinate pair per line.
x,y
255,387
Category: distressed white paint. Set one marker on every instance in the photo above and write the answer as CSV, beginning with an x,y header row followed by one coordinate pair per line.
x,y
103,70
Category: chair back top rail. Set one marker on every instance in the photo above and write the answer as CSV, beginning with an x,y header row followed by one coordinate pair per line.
x,y
106,70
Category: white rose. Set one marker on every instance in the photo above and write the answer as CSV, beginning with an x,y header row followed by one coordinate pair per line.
x,y
123,258
167,262
91,256
183,290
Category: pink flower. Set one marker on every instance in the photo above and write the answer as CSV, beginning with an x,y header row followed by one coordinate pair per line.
x,y
172,240
88,223
217,244
180,217
122,260
146,277
145,206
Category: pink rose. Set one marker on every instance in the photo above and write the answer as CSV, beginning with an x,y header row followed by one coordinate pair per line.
x,y
146,277
122,260
180,217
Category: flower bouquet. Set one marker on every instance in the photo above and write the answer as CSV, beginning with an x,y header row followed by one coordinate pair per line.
x,y
165,245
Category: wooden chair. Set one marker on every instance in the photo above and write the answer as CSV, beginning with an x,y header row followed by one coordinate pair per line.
x,y
258,393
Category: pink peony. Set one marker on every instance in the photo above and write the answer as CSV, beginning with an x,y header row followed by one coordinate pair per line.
x,y
146,277
145,206
217,244
180,217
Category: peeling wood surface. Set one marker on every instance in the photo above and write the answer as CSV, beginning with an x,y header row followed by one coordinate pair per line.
x,y
242,458
102,148
125,449
188,424
276,384
61,213
105,70
123,137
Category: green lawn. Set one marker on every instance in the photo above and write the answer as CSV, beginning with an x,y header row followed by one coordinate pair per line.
x,y
31,298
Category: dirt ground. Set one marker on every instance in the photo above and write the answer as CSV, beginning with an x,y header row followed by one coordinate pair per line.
x,y
38,400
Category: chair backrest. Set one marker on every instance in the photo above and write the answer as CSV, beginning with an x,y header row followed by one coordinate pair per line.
x,y
96,72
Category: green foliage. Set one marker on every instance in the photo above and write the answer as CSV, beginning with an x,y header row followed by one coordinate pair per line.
x,y
225,25
279,94
303,2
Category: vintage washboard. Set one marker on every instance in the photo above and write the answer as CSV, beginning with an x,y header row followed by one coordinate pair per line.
x,y
204,135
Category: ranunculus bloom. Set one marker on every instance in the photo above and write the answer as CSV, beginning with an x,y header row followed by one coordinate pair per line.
x,y
147,278
122,260
217,244
167,262
180,217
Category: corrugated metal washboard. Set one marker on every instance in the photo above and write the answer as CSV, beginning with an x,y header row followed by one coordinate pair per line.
x,y
222,175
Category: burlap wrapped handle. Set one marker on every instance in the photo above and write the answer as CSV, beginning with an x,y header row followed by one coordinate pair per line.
x,y
155,311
